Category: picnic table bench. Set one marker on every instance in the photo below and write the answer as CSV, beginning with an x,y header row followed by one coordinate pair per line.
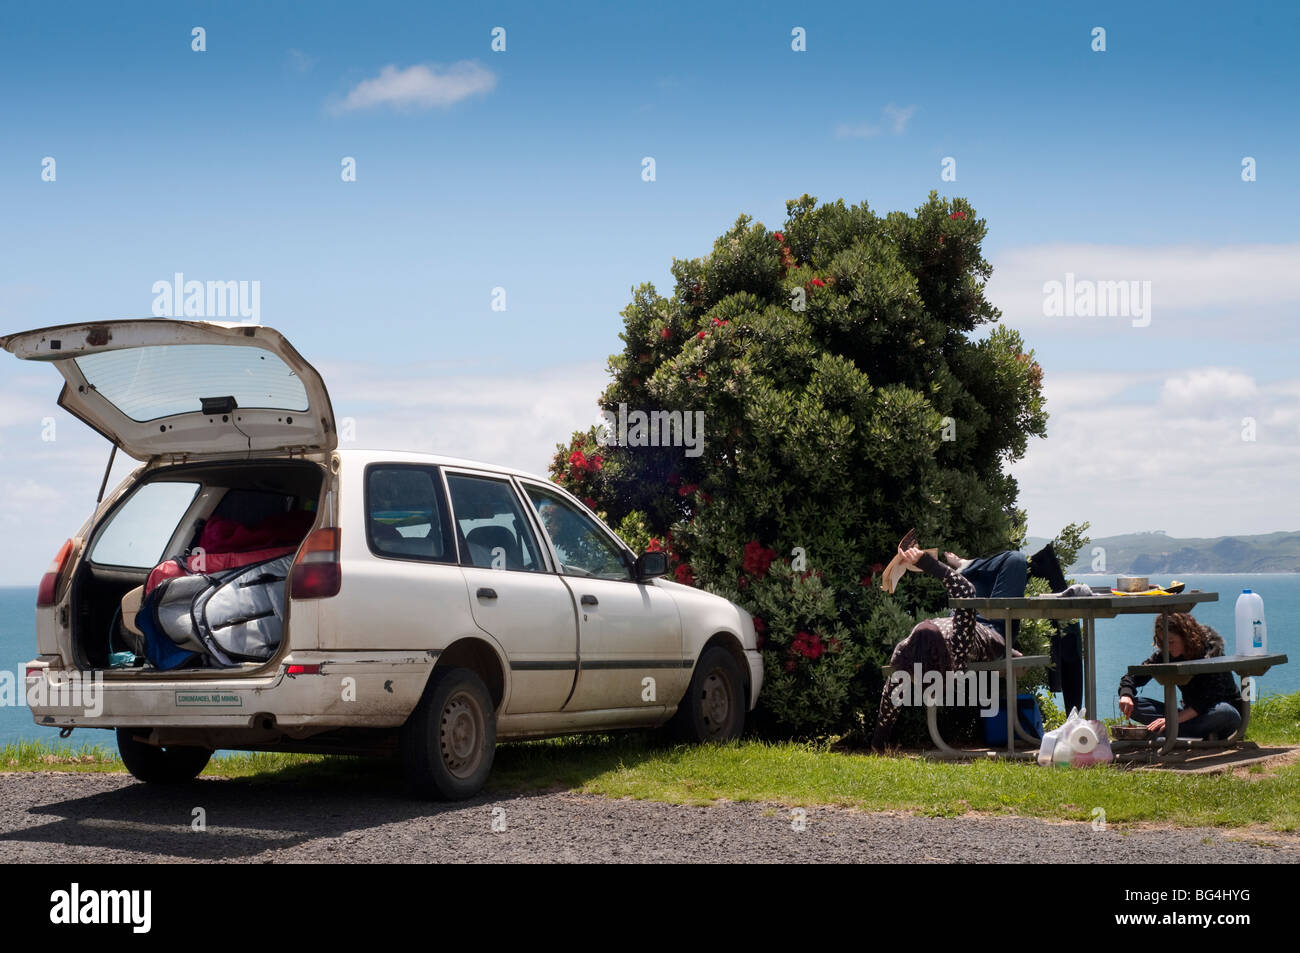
x,y
1012,667
1172,674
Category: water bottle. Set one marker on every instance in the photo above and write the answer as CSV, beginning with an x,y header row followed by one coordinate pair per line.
x,y
1252,633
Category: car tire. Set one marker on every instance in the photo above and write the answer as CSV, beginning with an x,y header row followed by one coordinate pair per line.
x,y
713,708
170,764
449,742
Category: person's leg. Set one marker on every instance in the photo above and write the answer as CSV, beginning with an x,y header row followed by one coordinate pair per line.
x,y
1067,656
925,644
998,577
1219,722
1147,710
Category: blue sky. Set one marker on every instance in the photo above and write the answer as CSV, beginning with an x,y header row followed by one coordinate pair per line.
x,y
225,165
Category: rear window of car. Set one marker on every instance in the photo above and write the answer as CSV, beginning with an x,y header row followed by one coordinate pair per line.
x,y
137,533
406,516
147,383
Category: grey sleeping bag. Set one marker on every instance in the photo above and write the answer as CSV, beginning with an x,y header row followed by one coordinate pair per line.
x,y
240,618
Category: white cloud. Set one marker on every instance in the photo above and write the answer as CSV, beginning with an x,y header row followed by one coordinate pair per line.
x,y
896,119
48,489
1206,385
420,87
300,62
1175,461
1213,287
511,419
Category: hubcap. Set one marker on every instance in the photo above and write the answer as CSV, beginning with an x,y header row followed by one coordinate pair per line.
x,y
716,702
461,735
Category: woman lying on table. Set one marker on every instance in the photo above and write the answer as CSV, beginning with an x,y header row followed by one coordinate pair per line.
x,y
945,644
1211,702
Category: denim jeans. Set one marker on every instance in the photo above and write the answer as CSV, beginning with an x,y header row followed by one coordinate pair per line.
x,y
1219,722
996,577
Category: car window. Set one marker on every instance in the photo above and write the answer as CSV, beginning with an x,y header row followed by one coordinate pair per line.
x,y
584,549
138,531
405,514
491,522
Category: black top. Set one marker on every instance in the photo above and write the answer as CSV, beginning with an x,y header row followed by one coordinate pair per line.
x,y
1200,694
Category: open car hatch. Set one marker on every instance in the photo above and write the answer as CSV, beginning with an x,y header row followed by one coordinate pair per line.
x,y
162,387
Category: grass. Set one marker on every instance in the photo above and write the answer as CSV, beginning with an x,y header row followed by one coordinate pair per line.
x,y
807,775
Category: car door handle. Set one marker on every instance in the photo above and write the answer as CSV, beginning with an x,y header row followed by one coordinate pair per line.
x,y
485,593
589,600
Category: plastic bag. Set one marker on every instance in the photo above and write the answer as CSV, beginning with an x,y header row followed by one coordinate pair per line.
x,y
1076,743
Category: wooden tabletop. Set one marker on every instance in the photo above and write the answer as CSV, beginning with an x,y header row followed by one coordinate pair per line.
x,y
1080,607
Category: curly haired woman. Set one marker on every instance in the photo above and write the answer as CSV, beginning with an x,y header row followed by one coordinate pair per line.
x,y
1211,702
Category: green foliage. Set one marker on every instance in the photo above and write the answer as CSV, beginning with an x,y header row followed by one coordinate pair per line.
x,y
844,400
1069,541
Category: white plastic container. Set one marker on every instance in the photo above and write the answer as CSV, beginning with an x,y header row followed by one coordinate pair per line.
x,y
1048,746
1252,632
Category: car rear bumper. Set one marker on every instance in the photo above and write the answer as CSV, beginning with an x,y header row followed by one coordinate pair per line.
x,y
358,689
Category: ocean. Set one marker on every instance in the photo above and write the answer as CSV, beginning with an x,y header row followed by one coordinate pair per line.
x,y
1122,641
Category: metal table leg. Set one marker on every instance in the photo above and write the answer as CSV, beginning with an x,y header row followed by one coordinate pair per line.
x,y
1090,665
1012,719
1171,693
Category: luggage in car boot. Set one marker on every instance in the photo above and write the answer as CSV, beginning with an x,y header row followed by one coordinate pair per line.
x,y
241,618
221,618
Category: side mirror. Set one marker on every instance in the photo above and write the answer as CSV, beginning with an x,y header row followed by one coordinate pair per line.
x,y
649,565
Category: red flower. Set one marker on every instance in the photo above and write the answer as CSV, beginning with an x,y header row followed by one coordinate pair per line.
x,y
817,283
595,462
684,575
654,546
759,625
702,335
718,323
578,460
758,558
665,333
643,358
809,646
866,580
686,489
588,502
957,215
877,568
778,236
759,642
743,581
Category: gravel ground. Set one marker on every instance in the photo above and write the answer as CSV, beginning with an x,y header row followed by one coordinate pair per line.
x,y
111,819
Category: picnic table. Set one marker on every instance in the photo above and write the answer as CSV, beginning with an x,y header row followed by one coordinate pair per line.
x,y
1088,609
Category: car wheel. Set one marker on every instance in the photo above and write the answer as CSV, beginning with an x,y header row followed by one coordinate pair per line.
x,y
450,739
170,764
713,708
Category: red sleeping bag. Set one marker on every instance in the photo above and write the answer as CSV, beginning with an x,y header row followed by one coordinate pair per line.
x,y
226,544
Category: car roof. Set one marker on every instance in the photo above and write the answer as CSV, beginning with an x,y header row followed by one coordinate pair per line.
x,y
370,455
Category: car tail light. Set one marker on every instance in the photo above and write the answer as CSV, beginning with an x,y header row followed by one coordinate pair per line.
x,y
302,670
50,581
35,672
317,573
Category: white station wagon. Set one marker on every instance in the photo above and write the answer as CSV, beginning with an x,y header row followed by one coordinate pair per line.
x,y
427,605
